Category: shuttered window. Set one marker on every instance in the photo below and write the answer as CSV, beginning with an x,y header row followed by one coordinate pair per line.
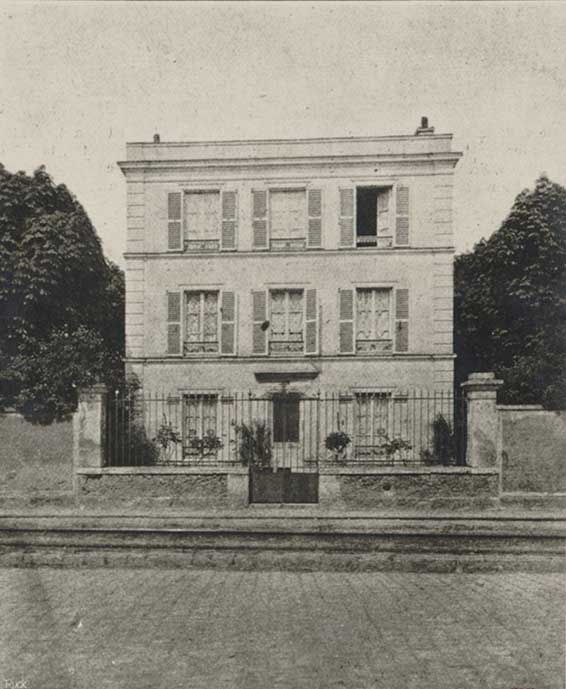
x,y
286,328
202,216
201,322
373,320
288,211
365,320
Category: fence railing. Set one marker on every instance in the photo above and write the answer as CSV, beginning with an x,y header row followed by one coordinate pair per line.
x,y
285,430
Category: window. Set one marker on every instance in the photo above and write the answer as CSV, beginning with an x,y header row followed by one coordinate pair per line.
x,y
201,322
373,421
288,211
202,221
286,417
286,322
373,320
200,419
373,226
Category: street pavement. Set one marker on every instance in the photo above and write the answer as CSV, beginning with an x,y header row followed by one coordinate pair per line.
x,y
207,629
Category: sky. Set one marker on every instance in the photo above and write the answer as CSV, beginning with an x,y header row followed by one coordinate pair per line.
x,y
79,79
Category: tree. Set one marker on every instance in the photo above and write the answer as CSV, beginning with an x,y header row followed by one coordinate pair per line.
x,y
510,301
61,301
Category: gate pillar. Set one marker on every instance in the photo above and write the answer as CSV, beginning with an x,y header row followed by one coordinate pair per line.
x,y
89,427
482,419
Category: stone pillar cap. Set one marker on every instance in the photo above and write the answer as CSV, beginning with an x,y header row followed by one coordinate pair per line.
x,y
485,380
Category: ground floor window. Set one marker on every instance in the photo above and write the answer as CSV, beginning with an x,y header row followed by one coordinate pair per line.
x,y
373,422
200,422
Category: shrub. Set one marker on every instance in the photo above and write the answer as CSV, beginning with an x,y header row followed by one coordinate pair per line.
x,y
255,444
337,442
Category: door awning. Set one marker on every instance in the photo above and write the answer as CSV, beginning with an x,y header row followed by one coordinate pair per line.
x,y
279,372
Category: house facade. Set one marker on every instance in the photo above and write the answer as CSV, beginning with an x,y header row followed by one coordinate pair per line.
x,y
285,269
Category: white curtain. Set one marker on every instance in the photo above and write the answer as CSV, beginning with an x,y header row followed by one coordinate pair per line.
x,y
288,214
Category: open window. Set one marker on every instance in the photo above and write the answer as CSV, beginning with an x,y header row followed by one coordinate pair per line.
x,y
373,226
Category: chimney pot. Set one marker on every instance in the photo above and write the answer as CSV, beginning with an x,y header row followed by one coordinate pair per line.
x,y
156,139
425,128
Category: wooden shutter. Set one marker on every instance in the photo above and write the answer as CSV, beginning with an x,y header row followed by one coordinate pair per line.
x,y
402,320
229,220
314,205
260,232
346,313
402,219
228,323
174,223
347,217
259,315
173,322
311,322
383,213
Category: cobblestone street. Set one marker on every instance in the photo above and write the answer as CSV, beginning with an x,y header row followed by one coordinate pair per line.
x,y
193,629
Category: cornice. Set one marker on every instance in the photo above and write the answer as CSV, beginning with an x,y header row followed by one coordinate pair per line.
x,y
398,251
450,158
238,360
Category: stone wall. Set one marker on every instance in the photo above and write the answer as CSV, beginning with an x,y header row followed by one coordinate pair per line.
x,y
35,460
533,450
425,487
160,486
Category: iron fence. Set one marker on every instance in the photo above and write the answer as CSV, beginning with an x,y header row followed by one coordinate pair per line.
x,y
285,430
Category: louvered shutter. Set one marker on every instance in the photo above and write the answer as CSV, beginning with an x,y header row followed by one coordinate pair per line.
x,y
173,322
314,204
229,220
174,224
228,323
347,217
346,321
311,322
383,228
402,320
259,315
260,232
402,219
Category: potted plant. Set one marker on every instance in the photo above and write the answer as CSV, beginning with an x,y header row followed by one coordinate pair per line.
x,y
208,445
167,438
337,442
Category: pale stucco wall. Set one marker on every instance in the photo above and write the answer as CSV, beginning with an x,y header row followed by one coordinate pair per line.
x,y
425,164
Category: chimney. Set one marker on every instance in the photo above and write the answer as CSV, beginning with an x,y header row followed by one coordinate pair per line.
x,y
424,128
156,139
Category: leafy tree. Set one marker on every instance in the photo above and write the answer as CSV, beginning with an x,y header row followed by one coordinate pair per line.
x,y
510,300
61,301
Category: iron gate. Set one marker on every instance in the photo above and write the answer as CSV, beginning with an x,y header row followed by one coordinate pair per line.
x,y
292,474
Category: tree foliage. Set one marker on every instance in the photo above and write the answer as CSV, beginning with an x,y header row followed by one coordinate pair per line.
x,y
61,301
510,300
